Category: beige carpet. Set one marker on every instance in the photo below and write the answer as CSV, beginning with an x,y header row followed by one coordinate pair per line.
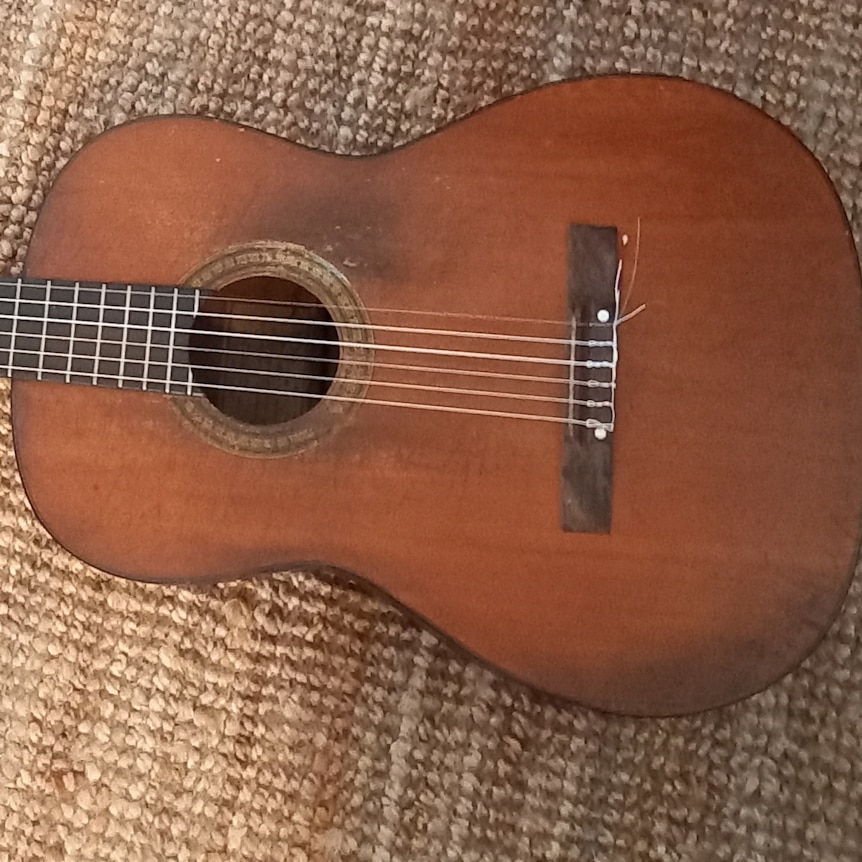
x,y
288,719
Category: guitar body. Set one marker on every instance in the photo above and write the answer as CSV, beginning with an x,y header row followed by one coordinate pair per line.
x,y
737,482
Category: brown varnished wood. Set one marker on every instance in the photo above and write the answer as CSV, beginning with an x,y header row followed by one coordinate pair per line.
x,y
737,484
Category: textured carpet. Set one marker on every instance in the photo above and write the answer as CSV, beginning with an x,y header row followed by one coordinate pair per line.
x,y
289,719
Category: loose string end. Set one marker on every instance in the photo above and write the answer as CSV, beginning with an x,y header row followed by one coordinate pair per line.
x,y
631,314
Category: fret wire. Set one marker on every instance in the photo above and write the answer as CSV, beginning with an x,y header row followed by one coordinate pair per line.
x,y
125,339
40,360
190,381
98,348
15,314
149,345
172,335
75,300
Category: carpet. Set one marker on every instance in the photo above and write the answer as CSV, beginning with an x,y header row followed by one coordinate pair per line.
x,y
291,718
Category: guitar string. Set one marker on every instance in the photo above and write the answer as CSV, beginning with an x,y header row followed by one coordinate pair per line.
x,y
407,312
327,396
100,322
278,339
637,253
410,330
450,333
394,366
418,387
142,289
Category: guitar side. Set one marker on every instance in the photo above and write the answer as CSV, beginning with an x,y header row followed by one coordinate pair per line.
x,y
737,488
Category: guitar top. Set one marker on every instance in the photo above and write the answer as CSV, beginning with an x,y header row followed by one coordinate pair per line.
x,y
576,380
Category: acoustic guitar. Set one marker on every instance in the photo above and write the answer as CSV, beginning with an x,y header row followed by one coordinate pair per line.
x,y
577,380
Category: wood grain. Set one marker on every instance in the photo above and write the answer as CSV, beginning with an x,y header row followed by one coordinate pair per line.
x,y
737,452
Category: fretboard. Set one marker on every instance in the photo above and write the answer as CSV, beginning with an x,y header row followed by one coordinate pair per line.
x,y
122,336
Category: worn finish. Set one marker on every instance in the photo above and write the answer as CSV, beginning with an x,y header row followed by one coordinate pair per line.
x,y
737,486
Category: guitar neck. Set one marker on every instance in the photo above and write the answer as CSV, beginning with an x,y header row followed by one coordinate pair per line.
x,y
120,336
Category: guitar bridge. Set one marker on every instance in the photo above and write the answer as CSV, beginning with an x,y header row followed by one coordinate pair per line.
x,y
593,303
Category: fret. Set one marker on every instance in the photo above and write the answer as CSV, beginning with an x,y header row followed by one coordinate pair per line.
x,y
56,345
14,327
84,342
112,335
184,308
8,294
149,342
172,336
135,351
124,336
181,379
190,381
74,315
160,340
98,349
40,367
28,331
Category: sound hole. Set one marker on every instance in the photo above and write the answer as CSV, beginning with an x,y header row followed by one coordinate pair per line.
x,y
264,350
